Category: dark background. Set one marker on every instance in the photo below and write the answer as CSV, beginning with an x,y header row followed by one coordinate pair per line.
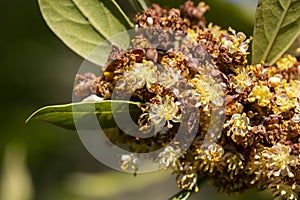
x,y
41,161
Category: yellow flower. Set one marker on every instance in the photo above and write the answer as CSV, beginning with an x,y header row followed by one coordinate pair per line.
x,y
283,191
287,94
166,111
260,93
210,156
283,104
241,80
293,89
207,90
274,81
140,75
233,163
285,62
191,37
169,158
275,161
188,178
239,126
236,42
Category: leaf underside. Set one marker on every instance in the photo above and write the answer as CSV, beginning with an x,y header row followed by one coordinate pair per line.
x,y
68,114
277,25
83,25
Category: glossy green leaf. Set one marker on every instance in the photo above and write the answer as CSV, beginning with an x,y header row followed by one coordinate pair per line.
x,y
85,24
68,114
277,25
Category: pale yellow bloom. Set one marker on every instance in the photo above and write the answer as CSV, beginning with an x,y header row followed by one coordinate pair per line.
x,y
262,94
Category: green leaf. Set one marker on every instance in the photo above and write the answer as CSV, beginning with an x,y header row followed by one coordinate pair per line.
x,y
277,25
68,114
141,4
84,24
182,195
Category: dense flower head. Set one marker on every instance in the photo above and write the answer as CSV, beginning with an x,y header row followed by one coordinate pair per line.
x,y
286,62
274,167
275,161
164,111
241,81
282,191
210,157
169,158
233,163
206,90
261,94
195,79
238,128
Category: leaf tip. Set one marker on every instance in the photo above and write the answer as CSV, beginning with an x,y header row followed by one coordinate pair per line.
x,y
30,118
33,115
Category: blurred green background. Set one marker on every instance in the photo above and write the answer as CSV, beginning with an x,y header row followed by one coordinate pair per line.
x,y
44,162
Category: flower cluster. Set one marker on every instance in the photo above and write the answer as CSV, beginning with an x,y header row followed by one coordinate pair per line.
x,y
187,74
276,167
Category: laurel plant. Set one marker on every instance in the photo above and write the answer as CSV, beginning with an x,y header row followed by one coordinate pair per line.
x,y
239,121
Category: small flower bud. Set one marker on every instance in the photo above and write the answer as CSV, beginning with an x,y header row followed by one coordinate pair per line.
x,y
274,81
150,21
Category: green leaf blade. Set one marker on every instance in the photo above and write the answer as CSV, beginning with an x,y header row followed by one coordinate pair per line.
x,y
67,115
277,26
141,5
84,25
103,16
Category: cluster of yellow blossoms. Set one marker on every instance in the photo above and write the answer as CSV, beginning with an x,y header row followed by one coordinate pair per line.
x,y
195,78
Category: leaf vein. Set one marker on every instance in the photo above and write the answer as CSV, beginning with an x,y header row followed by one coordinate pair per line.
x,y
91,24
276,31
